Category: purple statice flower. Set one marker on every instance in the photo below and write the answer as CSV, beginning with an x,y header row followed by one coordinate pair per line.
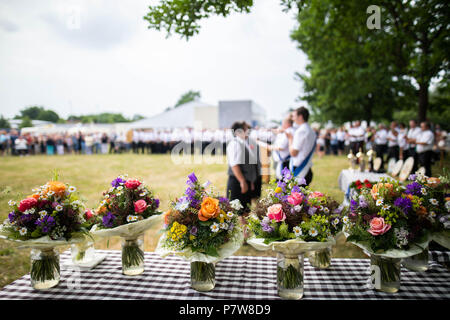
x,y
405,204
11,216
266,228
296,189
193,230
414,189
192,178
108,220
195,203
190,193
287,175
353,205
362,202
312,210
282,185
116,182
412,177
223,200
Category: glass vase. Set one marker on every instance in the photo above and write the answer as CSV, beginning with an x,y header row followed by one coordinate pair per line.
x,y
203,276
83,252
290,276
385,273
133,255
45,269
320,258
418,262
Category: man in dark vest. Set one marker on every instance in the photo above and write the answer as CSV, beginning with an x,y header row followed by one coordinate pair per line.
x,y
242,167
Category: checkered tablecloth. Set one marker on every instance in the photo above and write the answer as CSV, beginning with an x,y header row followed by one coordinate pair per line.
x,y
237,277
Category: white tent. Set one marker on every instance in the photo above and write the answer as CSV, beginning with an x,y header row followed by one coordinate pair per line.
x,y
192,114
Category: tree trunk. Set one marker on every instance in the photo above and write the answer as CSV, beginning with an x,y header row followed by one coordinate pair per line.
x,y
423,101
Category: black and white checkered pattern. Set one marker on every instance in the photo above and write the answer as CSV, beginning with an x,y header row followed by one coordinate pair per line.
x,y
237,277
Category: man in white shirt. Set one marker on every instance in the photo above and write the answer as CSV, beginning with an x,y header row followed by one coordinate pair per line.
x,y
280,147
302,145
392,137
411,137
357,135
380,141
341,139
424,147
401,140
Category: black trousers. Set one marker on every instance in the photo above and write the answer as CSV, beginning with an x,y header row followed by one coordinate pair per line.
x,y
234,192
425,161
380,150
393,152
308,176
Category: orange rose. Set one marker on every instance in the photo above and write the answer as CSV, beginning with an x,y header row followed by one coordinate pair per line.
x,y
209,209
166,216
35,196
57,187
433,182
376,188
422,211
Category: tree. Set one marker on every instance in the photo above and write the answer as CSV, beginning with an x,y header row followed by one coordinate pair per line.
x,y
188,97
26,122
38,113
4,123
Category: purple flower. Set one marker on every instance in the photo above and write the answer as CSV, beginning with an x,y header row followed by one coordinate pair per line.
x,y
282,185
405,204
156,203
414,189
192,178
231,226
108,220
46,223
190,192
223,200
353,205
193,230
362,202
312,210
11,216
286,174
338,210
412,177
301,181
296,189
116,182
266,228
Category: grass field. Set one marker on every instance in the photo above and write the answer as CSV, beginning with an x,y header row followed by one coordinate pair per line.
x,y
92,175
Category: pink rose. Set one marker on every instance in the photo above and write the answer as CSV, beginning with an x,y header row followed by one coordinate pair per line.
x,y
132,184
140,206
275,212
316,194
88,214
378,226
295,198
27,203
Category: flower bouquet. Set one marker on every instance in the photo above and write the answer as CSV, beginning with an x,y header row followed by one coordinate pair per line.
x,y
436,208
292,220
390,223
127,210
52,216
203,228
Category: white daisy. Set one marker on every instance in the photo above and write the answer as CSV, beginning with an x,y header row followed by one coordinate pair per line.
x,y
335,221
379,202
326,210
42,213
119,188
106,196
313,232
215,227
345,220
29,211
386,207
433,214
298,208
142,194
35,190
11,203
236,204
59,207
131,218
423,191
50,193
434,202
72,189
298,231
23,231
230,214
320,208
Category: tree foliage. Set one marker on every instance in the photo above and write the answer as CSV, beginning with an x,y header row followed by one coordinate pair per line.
x,y
4,123
38,113
104,117
188,97
26,122
182,16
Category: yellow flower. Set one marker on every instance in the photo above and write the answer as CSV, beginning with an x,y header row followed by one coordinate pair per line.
x,y
278,190
191,237
178,231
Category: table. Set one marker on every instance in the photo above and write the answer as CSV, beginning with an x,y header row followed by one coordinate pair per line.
x,y
346,177
237,277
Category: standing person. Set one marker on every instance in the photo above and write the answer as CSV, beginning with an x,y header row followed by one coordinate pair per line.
x,y
357,135
334,141
401,139
21,146
381,141
411,137
302,145
341,140
252,143
392,137
50,144
424,147
3,138
321,144
104,143
280,147
242,168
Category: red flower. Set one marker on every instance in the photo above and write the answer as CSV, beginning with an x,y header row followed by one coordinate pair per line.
x,y
27,203
88,214
358,182
368,185
359,187
140,206
132,184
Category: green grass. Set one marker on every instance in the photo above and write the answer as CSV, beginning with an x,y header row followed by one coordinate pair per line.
x,y
92,175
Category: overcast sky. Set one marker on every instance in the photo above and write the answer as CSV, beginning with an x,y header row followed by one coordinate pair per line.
x,y
80,57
